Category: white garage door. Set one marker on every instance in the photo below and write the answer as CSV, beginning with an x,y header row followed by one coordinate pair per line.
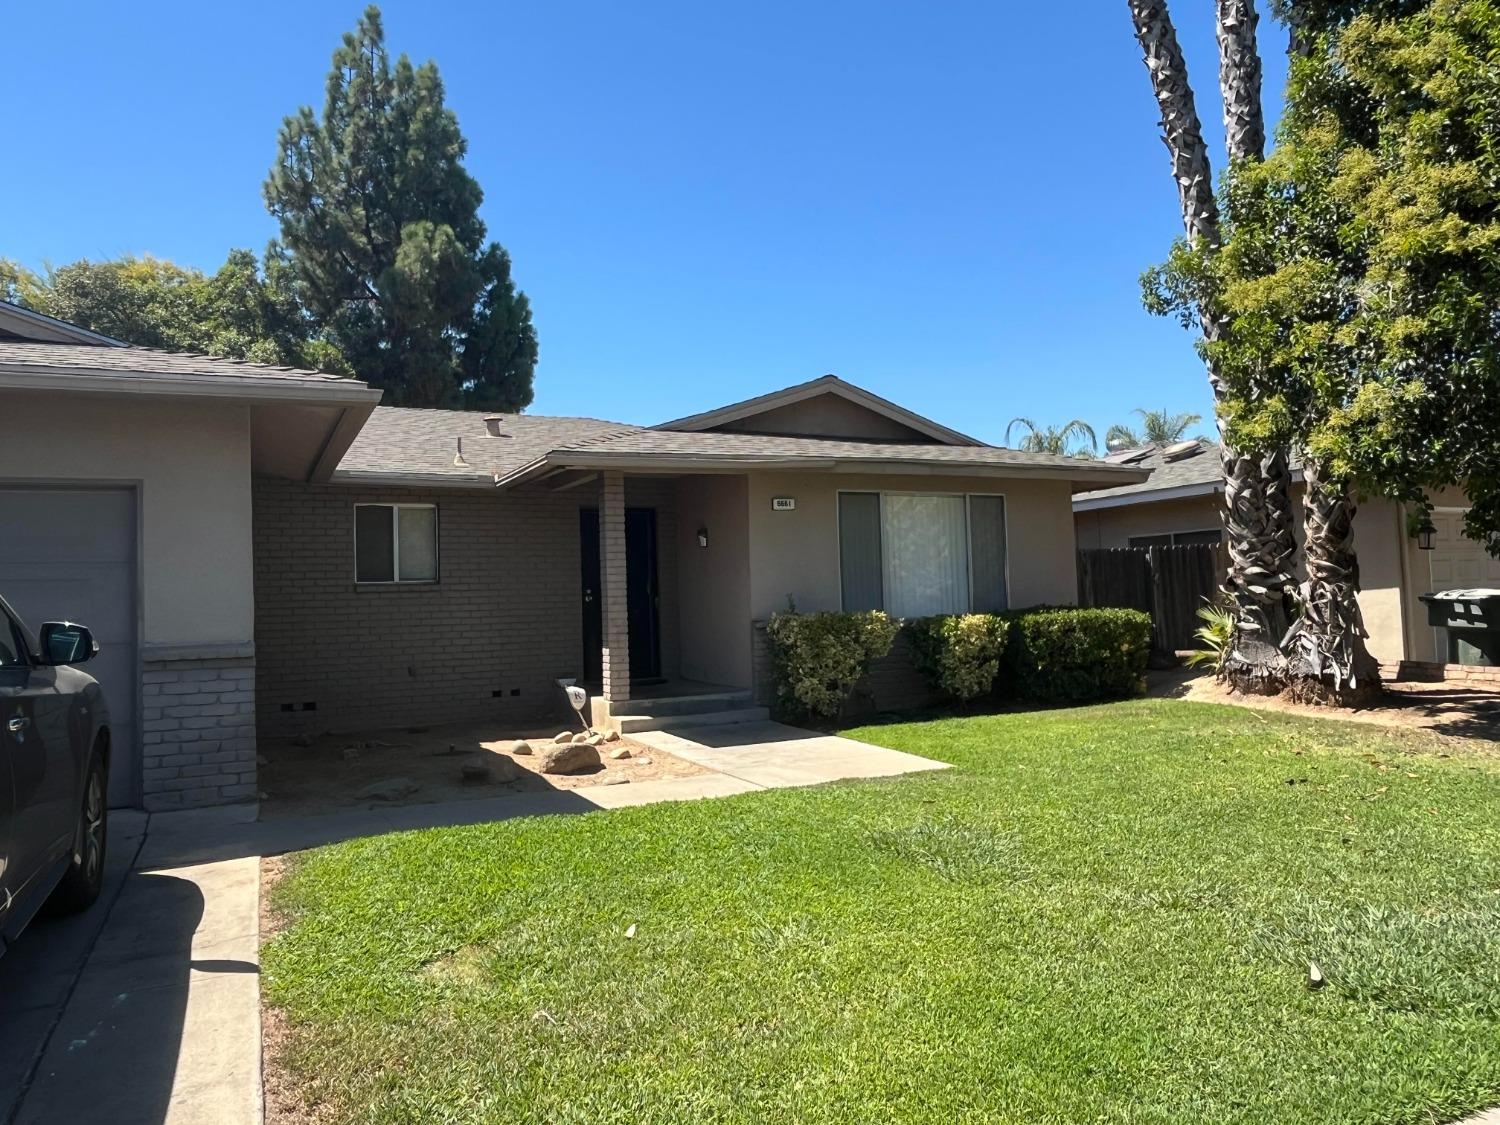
x,y
69,555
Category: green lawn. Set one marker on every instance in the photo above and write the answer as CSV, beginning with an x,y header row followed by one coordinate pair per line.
x,y
1102,914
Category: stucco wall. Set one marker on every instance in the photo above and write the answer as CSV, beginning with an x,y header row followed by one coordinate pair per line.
x,y
796,554
714,581
191,465
1114,527
827,415
505,615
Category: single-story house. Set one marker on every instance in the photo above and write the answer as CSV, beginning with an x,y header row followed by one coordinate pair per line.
x,y
265,551
1181,502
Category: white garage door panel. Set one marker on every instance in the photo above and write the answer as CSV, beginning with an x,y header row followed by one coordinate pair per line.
x,y
69,555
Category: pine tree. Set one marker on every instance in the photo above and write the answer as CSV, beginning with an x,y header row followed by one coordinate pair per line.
x,y
380,232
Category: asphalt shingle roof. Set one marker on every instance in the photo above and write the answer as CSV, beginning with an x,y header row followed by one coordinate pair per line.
x,y
1200,469
146,363
410,441
401,441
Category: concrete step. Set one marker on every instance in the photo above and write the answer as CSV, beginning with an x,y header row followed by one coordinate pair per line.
x,y
630,724
690,704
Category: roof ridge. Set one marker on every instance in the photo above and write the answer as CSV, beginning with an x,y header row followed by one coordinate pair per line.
x,y
624,430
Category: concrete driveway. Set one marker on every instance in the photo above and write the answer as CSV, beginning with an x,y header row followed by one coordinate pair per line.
x,y
145,1008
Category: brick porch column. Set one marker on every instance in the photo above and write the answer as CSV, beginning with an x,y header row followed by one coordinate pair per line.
x,y
616,663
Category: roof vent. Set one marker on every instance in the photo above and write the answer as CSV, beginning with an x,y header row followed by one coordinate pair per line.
x,y
1129,456
492,424
1182,449
458,456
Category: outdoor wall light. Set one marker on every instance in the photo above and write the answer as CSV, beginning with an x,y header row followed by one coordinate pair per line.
x,y
703,537
1426,534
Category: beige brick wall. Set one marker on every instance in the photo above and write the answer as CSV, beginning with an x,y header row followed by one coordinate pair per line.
x,y
504,616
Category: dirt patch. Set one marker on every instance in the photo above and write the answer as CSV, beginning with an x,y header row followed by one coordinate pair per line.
x,y
1454,711
284,1104
310,776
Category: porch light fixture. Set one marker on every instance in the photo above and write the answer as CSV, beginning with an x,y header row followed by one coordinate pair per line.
x,y
703,537
1426,534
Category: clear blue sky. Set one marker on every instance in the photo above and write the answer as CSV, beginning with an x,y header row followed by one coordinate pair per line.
x,y
949,203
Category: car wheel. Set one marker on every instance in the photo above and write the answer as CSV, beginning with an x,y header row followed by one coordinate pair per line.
x,y
85,875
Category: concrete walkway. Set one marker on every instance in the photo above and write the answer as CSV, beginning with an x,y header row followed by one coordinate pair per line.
x,y
146,1009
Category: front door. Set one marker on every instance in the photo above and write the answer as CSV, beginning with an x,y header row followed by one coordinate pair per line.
x,y
641,595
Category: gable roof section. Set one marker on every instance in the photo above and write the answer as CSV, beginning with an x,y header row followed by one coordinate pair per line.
x,y
740,412
24,324
1172,478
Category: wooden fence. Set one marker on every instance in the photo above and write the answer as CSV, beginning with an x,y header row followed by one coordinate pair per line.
x,y
1169,583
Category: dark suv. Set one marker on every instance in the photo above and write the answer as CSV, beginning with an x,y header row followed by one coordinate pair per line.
x,y
54,766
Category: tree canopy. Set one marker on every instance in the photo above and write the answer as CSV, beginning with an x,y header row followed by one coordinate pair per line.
x,y
1076,439
1360,268
1158,427
381,236
238,311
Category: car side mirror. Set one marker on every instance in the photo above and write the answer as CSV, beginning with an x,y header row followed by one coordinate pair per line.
x,y
63,642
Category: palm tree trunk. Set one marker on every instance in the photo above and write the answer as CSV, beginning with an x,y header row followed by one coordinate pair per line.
x,y
1257,492
1329,662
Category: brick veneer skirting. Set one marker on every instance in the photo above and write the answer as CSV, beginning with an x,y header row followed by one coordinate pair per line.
x,y
197,732
1428,672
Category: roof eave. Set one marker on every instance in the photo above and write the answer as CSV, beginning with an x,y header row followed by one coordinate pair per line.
x,y
225,387
704,463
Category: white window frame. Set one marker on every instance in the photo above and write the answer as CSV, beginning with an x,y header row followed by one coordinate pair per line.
x,y
967,497
396,579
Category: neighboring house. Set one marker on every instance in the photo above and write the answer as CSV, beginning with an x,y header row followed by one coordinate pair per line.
x,y
264,551
1182,503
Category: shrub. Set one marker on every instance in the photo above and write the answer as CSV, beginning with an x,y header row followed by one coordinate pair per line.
x,y
1066,655
960,655
1216,634
818,657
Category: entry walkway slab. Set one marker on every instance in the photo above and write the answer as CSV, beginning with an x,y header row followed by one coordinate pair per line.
x,y
775,756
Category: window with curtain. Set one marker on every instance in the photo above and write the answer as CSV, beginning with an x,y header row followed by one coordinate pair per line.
x,y
919,554
395,543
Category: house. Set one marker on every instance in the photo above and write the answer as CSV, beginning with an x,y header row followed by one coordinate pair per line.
x,y
1181,503
265,551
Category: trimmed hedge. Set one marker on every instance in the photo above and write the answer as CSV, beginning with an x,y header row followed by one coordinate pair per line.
x,y
960,655
1069,655
819,657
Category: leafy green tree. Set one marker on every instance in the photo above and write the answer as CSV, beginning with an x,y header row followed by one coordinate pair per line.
x,y
1360,277
1158,427
380,232
1065,440
238,312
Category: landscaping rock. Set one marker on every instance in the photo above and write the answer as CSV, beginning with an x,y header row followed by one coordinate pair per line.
x,y
349,753
612,736
644,760
573,758
620,752
594,740
304,740
581,739
563,737
520,747
389,789
615,781
492,769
